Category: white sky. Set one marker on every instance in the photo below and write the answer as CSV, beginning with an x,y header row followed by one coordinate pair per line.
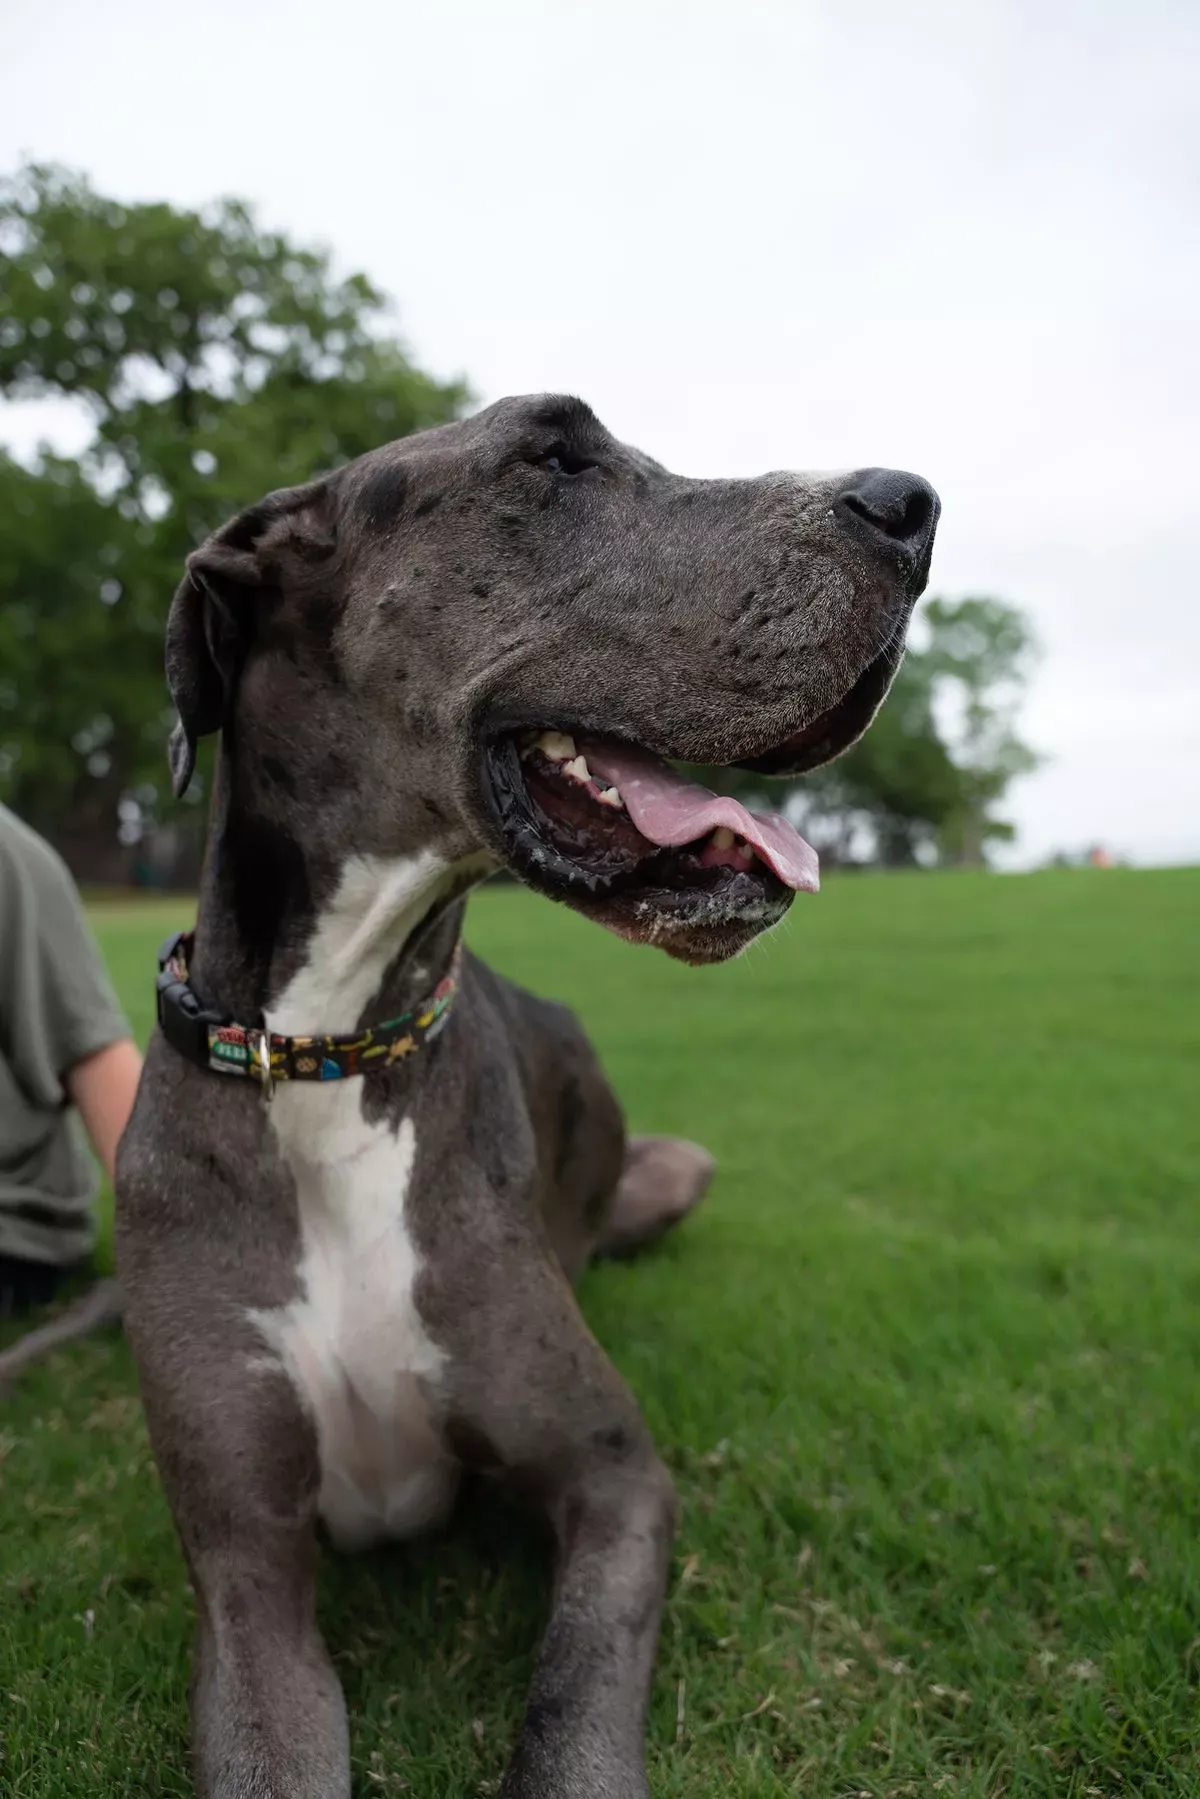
x,y
961,238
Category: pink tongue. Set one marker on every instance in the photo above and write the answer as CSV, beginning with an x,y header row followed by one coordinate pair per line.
x,y
671,811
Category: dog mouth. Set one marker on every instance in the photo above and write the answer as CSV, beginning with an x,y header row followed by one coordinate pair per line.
x,y
618,832
621,835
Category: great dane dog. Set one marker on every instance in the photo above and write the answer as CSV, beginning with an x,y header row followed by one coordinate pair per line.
x,y
349,1275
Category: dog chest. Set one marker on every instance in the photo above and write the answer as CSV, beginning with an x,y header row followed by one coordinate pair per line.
x,y
352,1339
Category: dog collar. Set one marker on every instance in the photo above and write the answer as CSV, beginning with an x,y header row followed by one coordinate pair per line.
x,y
213,1041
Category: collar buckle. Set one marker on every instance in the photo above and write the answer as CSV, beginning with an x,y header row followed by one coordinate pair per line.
x,y
184,1022
258,1048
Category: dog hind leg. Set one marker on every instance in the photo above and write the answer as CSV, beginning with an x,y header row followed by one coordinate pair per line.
x,y
663,1179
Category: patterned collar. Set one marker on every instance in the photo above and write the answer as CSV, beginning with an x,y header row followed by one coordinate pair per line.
x,y
213,1041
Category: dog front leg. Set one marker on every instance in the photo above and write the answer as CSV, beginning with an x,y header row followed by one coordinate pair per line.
x,y
268,1716
239,1463
614,1518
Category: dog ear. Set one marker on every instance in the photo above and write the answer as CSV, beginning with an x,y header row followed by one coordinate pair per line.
x,y
214,611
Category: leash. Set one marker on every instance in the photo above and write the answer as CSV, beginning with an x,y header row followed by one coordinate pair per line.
x,y
211,1040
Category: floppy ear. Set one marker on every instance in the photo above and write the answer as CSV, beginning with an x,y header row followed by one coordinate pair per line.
x,y
213,614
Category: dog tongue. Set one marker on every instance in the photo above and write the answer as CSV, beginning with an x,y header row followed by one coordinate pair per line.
x,y
671,811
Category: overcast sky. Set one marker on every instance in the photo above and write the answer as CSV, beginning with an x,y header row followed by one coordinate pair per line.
x,y
961,238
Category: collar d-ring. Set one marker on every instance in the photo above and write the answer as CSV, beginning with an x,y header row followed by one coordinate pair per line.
x,y
259,1044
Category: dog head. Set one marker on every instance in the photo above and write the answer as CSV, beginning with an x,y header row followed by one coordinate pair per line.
x,y
497,636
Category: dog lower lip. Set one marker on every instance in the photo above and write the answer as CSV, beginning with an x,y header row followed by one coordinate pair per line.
x,y
534,848
566,829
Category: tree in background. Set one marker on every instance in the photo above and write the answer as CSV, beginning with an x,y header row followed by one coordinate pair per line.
x,y
921,785
216,360
979,658
890,797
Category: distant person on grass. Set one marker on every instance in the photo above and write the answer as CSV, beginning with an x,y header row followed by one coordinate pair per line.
x,y
65,1048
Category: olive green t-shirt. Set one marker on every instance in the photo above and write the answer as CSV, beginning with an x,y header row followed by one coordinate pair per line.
x,y
57,1007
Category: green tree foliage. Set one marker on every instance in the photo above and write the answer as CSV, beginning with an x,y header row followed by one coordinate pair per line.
x,y
979,658
216,361
923,782
894,793
921,785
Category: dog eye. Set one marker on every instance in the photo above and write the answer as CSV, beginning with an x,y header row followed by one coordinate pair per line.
x,y
561,461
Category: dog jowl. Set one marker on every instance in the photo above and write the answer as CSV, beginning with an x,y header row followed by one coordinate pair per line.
x,y
485,645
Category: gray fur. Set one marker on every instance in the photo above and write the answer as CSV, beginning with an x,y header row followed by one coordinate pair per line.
x,y
359,642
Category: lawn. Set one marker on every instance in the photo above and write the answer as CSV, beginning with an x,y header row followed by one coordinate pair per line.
x,y
925,1369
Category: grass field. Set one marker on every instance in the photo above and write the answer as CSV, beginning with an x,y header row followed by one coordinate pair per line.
x,y
926,1369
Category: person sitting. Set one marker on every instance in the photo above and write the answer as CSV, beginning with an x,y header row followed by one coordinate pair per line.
x,y
67,1058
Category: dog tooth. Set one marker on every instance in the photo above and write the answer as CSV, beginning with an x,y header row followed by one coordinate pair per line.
x,y
608,796
722,838
556,746
577,768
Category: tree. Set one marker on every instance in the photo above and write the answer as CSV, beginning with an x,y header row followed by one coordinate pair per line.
x,y
922,782
896,790
920,786
63,695
216,360
979,657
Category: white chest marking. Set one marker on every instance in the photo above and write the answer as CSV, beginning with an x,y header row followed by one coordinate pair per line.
x,y
352,1340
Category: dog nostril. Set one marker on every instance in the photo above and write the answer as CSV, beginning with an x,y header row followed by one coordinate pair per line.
x,y
900,521
893,505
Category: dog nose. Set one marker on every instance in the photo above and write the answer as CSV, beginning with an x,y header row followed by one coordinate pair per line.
x,y
898,511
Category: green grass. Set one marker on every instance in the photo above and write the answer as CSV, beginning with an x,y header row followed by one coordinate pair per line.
x,y
925,1368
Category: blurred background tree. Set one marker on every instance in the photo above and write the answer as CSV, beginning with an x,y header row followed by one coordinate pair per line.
x,y
923,784
921,787
978,659
216,360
